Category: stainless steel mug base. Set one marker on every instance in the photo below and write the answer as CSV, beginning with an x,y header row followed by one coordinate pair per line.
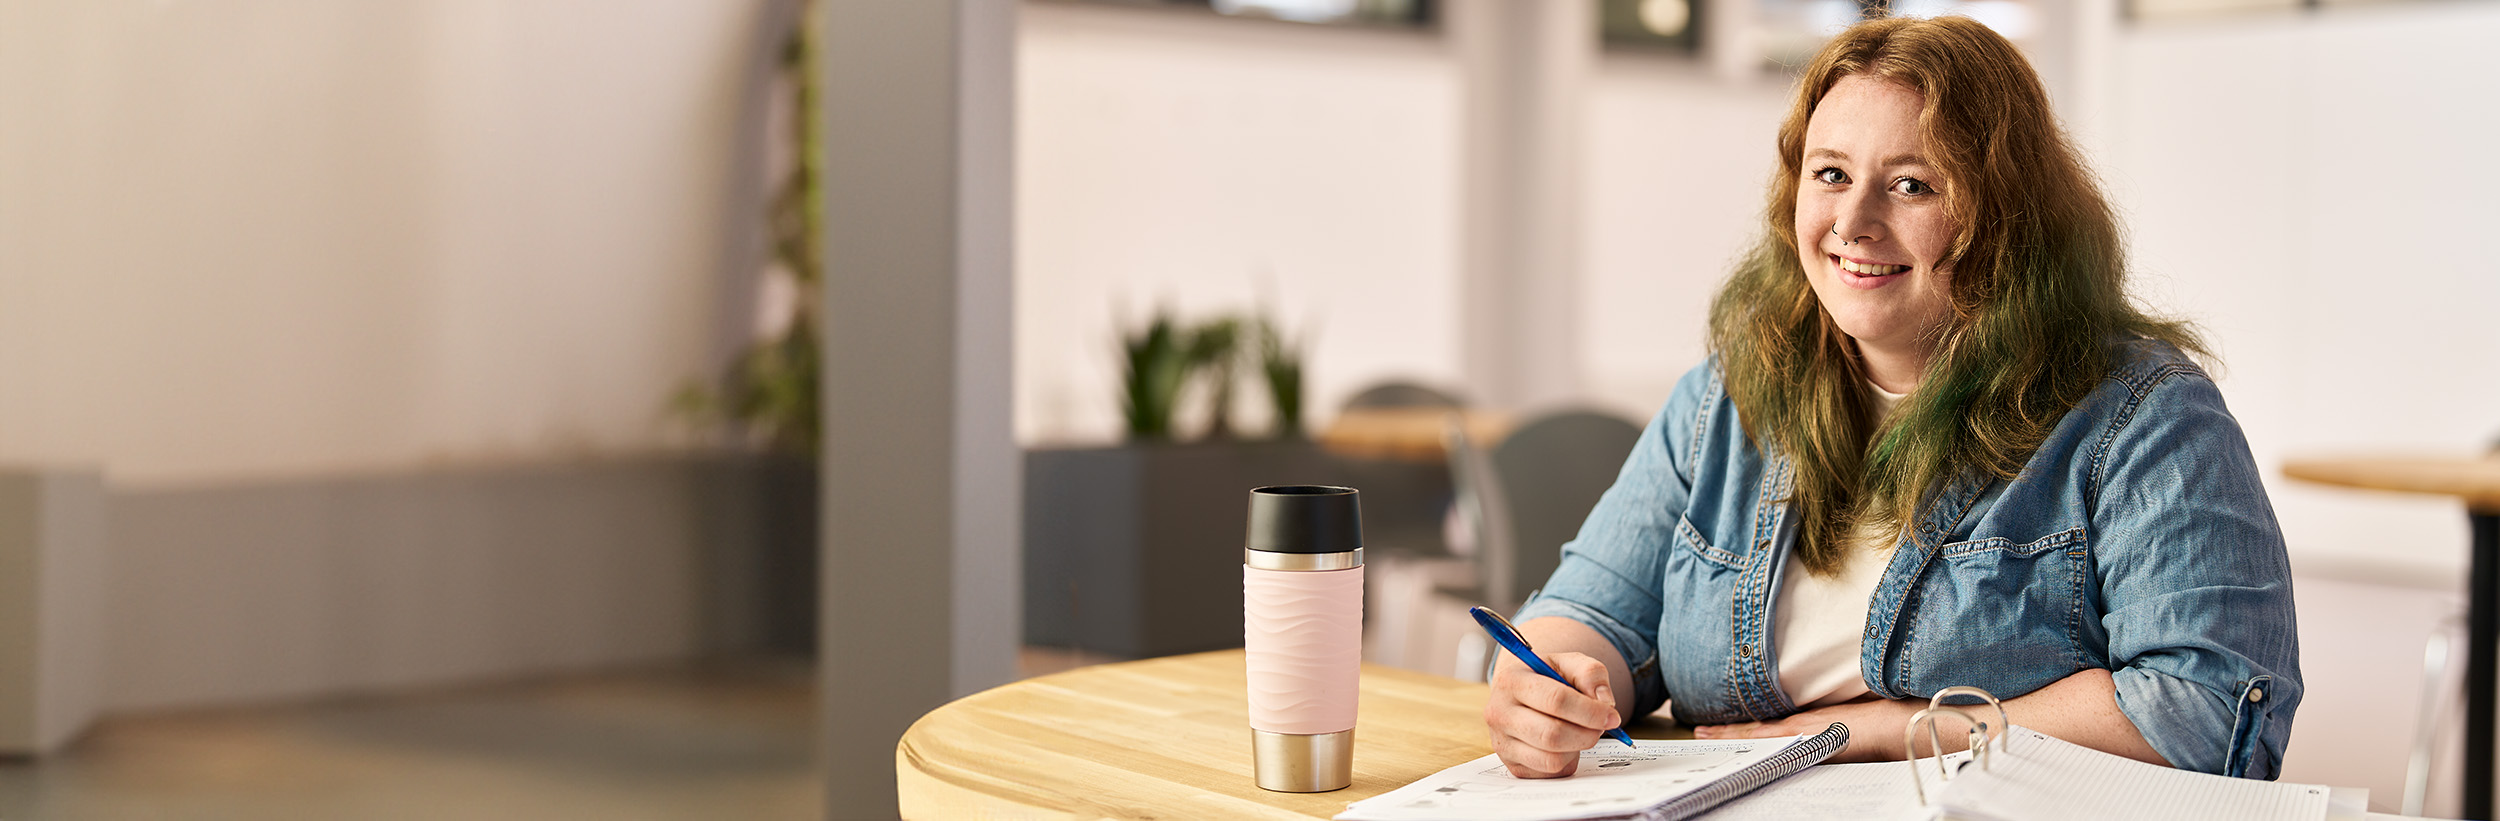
x,y
1303,763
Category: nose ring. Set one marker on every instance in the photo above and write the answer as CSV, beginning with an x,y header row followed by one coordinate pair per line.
x,y
1836,232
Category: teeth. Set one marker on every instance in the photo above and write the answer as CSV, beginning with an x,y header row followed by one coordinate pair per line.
x,y
1871,270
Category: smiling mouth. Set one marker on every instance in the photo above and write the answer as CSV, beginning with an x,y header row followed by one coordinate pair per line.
x,y
1868,269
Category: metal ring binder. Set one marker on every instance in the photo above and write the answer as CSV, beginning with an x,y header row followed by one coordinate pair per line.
x,y
1979,740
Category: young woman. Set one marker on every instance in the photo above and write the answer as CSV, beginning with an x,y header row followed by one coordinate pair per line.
x,y
1935,445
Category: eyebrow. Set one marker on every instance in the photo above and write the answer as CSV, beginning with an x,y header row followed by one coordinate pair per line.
x,y
1896,160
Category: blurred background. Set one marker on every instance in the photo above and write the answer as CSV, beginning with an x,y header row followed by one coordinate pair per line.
x,y
422,409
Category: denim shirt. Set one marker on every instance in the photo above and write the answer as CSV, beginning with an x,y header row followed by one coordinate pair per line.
x,y
2137,539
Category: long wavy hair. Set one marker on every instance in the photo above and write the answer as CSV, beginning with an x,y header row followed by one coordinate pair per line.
x,y
2037,288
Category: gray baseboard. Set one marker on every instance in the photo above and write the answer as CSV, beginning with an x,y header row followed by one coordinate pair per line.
x,y
322,586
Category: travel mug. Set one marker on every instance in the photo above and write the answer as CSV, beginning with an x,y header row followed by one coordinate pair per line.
x,y
1302,633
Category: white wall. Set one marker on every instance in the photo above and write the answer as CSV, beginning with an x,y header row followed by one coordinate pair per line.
x,y
2306,187
289,272
254,239
1214,165
1677,161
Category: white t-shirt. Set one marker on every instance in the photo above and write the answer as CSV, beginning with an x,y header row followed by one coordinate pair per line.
x,y
1819,623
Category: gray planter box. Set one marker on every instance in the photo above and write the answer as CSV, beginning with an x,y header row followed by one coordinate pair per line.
x,y
757,516
1135,550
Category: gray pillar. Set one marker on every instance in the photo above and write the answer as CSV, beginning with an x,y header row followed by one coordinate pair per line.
x,y
1526,67
921,555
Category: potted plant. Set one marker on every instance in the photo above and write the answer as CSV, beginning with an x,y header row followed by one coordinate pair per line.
x,y
1133,549
759,500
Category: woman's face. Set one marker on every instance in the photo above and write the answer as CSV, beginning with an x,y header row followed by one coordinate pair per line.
x,y
1871,224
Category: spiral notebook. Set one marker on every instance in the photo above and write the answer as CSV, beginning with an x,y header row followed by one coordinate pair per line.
x,y
1655,781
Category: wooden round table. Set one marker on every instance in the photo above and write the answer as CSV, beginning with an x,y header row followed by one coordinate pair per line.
x,y
1162,738
1169,738
2477,483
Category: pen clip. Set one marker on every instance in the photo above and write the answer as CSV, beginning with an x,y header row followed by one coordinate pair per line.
x,y
1485,616
1508,637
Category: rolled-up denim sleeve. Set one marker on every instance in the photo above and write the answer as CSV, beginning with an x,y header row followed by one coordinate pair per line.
x,y
1610,575
2196,587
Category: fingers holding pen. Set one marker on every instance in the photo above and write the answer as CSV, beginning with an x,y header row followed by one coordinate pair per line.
x,y
1589,702
1539,725
1525,760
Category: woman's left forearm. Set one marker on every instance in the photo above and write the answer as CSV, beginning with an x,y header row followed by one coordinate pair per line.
x,y
2081,708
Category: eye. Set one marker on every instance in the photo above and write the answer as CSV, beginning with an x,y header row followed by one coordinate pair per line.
x,y
1831,176
1911,186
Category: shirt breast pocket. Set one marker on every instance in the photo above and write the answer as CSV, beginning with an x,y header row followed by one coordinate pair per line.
x,y
2003,614
1691,545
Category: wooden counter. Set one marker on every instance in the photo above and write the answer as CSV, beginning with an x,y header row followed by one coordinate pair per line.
x,y
2476,481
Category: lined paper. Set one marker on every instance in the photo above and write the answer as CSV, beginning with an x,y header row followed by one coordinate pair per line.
x,y
2038,778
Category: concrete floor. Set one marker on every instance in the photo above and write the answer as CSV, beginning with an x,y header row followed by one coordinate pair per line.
x,y
710,742
716,741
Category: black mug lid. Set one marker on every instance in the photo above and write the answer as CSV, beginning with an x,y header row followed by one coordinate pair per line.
x,y
1305,519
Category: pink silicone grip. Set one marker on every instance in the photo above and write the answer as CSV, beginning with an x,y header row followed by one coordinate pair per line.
x,y
1303,638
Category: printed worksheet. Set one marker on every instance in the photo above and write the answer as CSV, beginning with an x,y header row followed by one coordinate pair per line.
x,y
1613,781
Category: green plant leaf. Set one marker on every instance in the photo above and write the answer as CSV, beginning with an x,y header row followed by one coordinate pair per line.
x,y
1151,384
1280,362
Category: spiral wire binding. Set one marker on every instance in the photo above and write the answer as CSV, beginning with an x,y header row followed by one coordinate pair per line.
x,y
1979,742
1823,745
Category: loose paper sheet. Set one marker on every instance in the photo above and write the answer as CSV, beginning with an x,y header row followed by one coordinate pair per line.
x,y
1613,780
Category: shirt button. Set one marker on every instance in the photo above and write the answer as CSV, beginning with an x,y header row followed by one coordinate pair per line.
x,y
2256,694
1744,651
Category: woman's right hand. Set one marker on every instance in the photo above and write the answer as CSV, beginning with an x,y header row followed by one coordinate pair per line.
x,y
1540,726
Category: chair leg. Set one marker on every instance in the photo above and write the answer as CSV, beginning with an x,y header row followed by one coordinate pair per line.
x,y
2438,691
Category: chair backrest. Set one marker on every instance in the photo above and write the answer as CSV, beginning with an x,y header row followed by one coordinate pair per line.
x,y
1402,395
1544,477
1476,498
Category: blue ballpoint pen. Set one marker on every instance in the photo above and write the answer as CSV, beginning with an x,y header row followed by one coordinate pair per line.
x,y
1508,637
